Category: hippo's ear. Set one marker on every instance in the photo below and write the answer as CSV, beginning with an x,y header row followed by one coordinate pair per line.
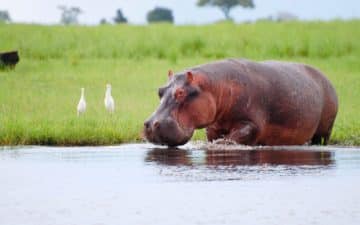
x,y
189,77
170,74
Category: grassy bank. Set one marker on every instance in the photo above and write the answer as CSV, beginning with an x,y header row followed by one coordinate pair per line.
x,y
38,99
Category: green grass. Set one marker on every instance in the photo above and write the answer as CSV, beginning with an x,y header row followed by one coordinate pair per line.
x,y
38,99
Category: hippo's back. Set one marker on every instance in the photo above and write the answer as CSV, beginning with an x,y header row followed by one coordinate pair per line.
x,y
281,76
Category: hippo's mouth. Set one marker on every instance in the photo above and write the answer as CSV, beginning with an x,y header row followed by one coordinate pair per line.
x,y
171,135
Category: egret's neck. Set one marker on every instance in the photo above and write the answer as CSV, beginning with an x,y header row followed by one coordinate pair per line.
x,y
82,93
108,92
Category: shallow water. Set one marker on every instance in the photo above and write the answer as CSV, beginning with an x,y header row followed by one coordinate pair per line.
x,y
143,184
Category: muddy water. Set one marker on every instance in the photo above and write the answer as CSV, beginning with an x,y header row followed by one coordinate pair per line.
x,y
141,184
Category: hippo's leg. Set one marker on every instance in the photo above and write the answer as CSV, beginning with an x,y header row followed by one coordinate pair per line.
x,y
213,134
245,133
327,137
316,140
322,137
320,140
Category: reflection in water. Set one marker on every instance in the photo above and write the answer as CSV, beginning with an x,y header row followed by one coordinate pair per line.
x,y
241,157
272,157
169,156
239,164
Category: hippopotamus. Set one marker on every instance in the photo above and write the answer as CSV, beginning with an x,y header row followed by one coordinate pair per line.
x,y
247,102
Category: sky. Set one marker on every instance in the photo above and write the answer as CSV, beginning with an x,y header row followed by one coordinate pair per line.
x,y
185,11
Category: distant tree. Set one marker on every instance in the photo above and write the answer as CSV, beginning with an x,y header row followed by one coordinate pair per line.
x,y
120,18
285,16
266,19
226,5
103,21
160,14
69,15
4,16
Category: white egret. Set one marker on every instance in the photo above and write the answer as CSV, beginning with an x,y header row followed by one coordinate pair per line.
x,y
109,100
81,107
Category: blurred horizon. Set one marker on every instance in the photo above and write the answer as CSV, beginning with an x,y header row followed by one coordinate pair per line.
x,y
185,11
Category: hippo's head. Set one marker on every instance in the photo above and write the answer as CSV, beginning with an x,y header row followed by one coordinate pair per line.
x,y
184,106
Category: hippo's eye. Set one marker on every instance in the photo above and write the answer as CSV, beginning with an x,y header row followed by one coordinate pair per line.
x,y
193,93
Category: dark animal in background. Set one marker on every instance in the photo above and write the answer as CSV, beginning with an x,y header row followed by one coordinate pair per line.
x,y
252,103
9,59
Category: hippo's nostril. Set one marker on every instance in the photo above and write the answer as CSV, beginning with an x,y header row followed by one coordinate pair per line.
x,y
156,124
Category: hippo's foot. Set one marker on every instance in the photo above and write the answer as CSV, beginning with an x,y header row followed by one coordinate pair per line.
x,y
223,141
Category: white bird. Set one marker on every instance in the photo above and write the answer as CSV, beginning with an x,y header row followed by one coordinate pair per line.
x,y
81,107
109,100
